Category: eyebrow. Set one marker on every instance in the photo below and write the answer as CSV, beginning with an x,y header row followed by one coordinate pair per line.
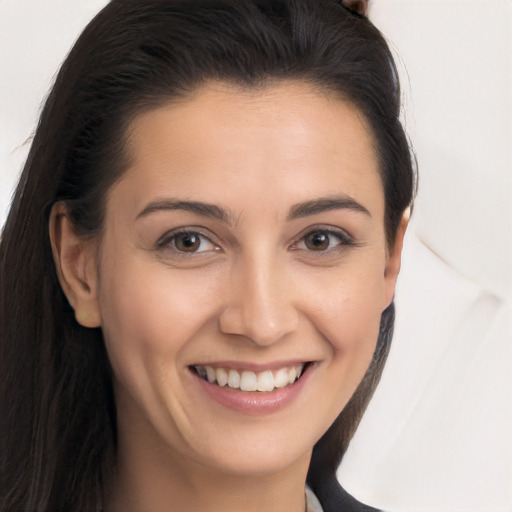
x,y
324,204
297,211
198,207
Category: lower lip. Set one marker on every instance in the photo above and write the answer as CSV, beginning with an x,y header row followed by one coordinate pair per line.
x,y
254,402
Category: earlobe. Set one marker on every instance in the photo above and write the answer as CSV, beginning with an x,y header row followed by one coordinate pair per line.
x,y
75,263
395,259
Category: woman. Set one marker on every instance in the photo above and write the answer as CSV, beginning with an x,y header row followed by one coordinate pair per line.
x,y
199,264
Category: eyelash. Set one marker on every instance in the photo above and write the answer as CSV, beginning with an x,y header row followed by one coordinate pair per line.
x,y
344,240
169,240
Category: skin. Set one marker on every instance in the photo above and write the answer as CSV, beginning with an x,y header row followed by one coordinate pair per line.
x,y
256,291
359,6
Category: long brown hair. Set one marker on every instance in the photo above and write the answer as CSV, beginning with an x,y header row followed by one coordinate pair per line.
x,y
58,427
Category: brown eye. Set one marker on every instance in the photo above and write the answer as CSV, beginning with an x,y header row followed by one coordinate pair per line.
x,y
324,241
317,241
187,242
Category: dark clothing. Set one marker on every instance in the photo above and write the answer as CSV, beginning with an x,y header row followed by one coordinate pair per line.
x,y
334,498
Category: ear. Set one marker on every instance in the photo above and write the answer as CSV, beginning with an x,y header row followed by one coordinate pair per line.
x,y
395,259
358,6
75,262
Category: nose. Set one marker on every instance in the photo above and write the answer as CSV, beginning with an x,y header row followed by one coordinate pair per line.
x,y
260,305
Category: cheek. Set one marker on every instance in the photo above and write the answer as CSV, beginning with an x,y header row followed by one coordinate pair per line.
x,y
353,333
149,315
348,304
346,310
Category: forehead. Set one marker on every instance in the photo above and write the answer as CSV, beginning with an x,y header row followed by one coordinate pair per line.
x,y
284,143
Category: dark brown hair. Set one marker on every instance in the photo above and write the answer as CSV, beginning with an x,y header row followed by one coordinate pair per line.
x,y
58,427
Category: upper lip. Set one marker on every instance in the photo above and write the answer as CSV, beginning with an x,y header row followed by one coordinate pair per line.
x,y
252,366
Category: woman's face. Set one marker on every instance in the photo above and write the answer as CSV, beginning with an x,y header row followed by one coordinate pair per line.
x,y
245,243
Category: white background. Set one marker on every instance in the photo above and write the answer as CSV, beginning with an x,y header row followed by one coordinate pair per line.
x,y
438,434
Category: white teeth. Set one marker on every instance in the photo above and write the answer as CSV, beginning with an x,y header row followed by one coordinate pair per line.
x,y
234,379
265,381
210,374
247,380
221,376
281,378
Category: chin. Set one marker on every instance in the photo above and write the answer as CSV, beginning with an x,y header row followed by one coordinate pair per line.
x,y
253,462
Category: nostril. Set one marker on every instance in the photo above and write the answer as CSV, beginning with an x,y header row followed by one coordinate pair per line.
x,y
262,325
259,302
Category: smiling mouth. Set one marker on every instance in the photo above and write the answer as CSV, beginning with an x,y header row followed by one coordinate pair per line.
x,y
247,380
